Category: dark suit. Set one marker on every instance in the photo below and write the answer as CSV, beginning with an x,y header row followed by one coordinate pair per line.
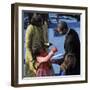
x,y
72,45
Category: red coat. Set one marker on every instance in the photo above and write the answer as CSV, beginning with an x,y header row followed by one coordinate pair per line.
x,y
45,68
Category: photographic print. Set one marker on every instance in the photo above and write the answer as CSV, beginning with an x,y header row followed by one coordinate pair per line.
x,y
49,44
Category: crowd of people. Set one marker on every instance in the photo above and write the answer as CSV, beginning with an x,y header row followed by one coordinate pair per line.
x,y
39,60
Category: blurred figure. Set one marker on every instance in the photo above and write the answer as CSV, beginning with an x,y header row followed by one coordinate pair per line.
x,y
36,54
44,63
71,60
34,38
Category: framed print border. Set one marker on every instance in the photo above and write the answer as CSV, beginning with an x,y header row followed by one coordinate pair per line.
x,y
15,40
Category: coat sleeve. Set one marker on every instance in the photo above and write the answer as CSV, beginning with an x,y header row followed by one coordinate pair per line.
x,y
29,57
69,44
29,34
28,42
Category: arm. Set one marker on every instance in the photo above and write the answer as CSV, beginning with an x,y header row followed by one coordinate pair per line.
x,y
70,44
28,43
41,59
29,35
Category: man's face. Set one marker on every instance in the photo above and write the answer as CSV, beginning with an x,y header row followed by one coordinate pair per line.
x,y
61,30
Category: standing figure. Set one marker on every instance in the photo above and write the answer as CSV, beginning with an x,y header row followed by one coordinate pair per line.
x,y
35,48
34,40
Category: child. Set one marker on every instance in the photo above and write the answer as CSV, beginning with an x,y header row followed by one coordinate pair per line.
x,y
43,59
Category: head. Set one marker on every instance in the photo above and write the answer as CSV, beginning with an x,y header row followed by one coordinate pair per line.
x,y
70,60
37,20
62,28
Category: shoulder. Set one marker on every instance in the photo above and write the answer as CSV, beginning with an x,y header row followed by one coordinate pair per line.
x,y
72,32
70,35
29,29
73,35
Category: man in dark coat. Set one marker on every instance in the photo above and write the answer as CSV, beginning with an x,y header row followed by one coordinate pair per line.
x,y
71,61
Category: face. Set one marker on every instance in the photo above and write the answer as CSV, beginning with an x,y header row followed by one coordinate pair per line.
x,y
61,30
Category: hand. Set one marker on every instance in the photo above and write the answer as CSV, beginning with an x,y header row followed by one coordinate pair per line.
x,y
54,49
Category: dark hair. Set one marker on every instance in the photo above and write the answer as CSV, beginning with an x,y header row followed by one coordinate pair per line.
x,y
63,25
36,20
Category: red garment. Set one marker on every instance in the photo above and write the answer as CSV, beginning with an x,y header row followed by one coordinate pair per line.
x,y
43,53
45,68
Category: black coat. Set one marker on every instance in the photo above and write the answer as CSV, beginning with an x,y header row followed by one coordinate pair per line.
x,y
72,45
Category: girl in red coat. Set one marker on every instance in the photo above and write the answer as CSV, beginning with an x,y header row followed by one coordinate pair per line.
x,y
43,59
